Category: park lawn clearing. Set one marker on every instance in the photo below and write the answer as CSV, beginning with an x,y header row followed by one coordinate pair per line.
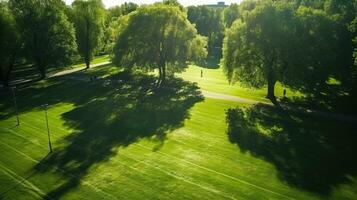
x,y
214,80
110,143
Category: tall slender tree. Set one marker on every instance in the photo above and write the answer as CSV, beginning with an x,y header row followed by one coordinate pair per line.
x,y
88,17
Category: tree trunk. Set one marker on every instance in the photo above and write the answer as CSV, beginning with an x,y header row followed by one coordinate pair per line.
x,y
42,71
87,57
160,77
41,68
271,87
87,63
163,74
11,66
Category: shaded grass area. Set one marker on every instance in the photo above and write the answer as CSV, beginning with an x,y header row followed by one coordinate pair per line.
x,y
330,97
112,112
120,137
311,153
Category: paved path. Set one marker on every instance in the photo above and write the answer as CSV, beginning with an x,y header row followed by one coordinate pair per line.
x,y
56,74
77,69
214,95
324,114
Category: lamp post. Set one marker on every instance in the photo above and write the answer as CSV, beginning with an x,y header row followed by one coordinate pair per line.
x,y
48,129
15,104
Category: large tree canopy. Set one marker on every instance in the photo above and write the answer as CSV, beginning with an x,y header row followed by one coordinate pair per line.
x,y
274,42
48,36
158,37
88,18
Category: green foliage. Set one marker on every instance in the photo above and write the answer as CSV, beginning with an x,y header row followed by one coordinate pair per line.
x,y
274,42
173,3
343,12
48,36
9,42
318,43
88,18
157,36
112,21
230,14
253,50
208,23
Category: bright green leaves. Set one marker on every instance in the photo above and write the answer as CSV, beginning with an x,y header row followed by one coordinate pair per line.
x,y
157,36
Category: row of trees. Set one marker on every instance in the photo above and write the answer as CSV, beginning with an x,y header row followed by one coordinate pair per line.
x,y
301,43
49,33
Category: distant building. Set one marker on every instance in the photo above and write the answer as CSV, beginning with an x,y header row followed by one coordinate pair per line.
x,y
220,4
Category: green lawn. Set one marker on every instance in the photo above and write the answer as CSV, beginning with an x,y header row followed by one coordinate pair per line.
x,y
120,138
214,80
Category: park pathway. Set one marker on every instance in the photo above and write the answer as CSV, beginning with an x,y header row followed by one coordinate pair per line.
x,y
336,116
77,69
214,95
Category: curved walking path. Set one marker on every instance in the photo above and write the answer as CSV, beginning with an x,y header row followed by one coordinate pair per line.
x,y
234,98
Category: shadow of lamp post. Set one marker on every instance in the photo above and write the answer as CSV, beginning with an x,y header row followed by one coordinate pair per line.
x,y
45,107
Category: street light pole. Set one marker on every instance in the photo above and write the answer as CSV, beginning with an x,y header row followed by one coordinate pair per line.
x,y
17,113
48,129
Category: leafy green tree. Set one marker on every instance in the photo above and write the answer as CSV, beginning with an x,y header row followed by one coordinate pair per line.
x,y
208,23
88,18
343,12
318,56
230,14
48,35
235,11
111,22
158,37
173,3
9,43
276,43
316,4
127,8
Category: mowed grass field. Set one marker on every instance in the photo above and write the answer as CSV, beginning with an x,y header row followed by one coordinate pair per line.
x,y
214,80
120,138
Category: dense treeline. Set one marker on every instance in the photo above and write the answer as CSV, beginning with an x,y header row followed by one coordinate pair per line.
x,y
51,34
303,44
208,23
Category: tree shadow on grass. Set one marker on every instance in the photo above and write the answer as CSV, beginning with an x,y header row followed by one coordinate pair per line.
x,y
109,113
309,153
326,97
